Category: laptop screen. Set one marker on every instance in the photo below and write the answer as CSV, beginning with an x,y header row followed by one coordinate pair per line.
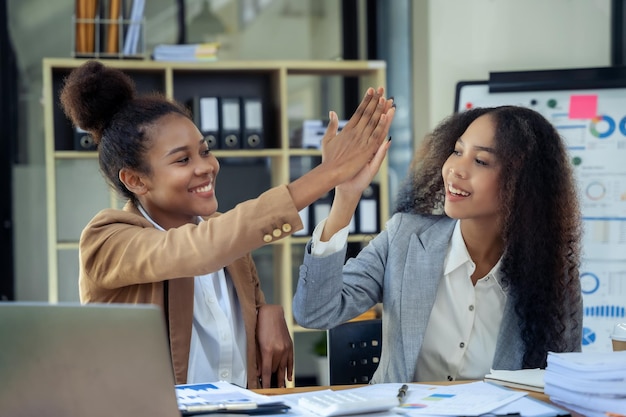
x,y
77,360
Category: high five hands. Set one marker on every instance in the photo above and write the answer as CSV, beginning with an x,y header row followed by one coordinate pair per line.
x,y
368,129
362,140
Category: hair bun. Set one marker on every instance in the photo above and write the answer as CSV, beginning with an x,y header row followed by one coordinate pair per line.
x,y
93,93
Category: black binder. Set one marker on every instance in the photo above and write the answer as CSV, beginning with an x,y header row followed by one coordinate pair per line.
x,y
205,112
83,140
320,209
230,117
368,210
252,116
305,216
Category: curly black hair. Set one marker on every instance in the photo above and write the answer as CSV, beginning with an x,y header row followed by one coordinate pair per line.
x,y
541,220
104,102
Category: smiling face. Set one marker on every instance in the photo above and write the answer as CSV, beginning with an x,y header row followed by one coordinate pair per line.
x,y
181,185
471,174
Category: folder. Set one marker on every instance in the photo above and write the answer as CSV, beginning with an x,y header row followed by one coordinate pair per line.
x,y
133,33
205,112
85,26
83,141
113,27
313,132
352,228
320,209
305,216
230,117
368,213
253,123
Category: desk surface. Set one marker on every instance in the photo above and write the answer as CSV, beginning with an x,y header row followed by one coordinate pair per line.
x,y
279,391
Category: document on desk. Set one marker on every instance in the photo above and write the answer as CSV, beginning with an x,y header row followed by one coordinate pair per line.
x,y
224,397
471,399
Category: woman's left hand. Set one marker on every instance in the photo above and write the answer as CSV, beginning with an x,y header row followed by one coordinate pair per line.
x,y
274,346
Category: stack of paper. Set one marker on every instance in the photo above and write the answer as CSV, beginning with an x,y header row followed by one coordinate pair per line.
x,y
590,383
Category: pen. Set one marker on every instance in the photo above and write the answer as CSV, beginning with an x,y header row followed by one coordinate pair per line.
x,y
402,392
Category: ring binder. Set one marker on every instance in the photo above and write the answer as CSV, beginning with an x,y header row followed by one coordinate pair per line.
x,y
368,210
252,115
83,141
205,111
230,118
305,216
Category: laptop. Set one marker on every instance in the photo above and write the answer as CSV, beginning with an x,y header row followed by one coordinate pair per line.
x,y
94,360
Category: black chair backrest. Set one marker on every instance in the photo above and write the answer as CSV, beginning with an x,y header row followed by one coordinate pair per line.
x,y
354,351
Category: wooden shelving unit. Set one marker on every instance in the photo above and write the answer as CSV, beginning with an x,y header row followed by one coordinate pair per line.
x,y
290,90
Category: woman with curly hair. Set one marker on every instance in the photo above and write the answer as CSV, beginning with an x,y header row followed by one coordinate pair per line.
x,y
478,267
170,247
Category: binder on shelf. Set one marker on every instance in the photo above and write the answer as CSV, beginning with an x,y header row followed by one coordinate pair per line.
x,y
368,210
113,27
352,228
320,209
85,12
252,114
134,31
305,216
205,112
313,132
83,141
230,117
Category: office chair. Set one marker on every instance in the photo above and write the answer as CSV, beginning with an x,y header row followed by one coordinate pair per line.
x,y
354,351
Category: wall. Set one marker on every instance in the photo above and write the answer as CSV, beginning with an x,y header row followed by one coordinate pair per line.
x,y
468,39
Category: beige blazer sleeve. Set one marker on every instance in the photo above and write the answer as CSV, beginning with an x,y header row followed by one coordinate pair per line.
x,y
121,248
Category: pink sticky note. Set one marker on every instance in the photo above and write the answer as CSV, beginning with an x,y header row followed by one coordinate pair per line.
x,y
583,106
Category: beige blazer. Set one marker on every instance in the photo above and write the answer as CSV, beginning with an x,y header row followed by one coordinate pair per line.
x,y
125,259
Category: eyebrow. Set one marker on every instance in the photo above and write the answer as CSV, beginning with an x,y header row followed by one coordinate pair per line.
x,y
183,148
480,148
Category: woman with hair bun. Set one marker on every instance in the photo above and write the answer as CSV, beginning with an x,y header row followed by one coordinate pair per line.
x,y
168,246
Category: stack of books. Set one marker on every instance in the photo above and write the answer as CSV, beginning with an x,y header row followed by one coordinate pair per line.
x,y
186,52
589,383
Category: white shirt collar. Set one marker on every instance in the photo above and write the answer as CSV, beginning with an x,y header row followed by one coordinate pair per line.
x,y
458,256
147,216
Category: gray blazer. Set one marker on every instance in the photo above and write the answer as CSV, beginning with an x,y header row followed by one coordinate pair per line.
x,y
401,267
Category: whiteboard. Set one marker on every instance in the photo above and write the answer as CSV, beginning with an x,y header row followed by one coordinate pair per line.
x,y
592,121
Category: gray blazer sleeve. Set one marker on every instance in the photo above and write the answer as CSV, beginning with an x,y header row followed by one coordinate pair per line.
x,y
330,293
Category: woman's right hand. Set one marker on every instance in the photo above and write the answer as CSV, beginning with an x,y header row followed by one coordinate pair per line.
x,y
346,153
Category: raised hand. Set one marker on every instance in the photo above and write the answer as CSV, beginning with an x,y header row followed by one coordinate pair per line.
x,y
359,140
